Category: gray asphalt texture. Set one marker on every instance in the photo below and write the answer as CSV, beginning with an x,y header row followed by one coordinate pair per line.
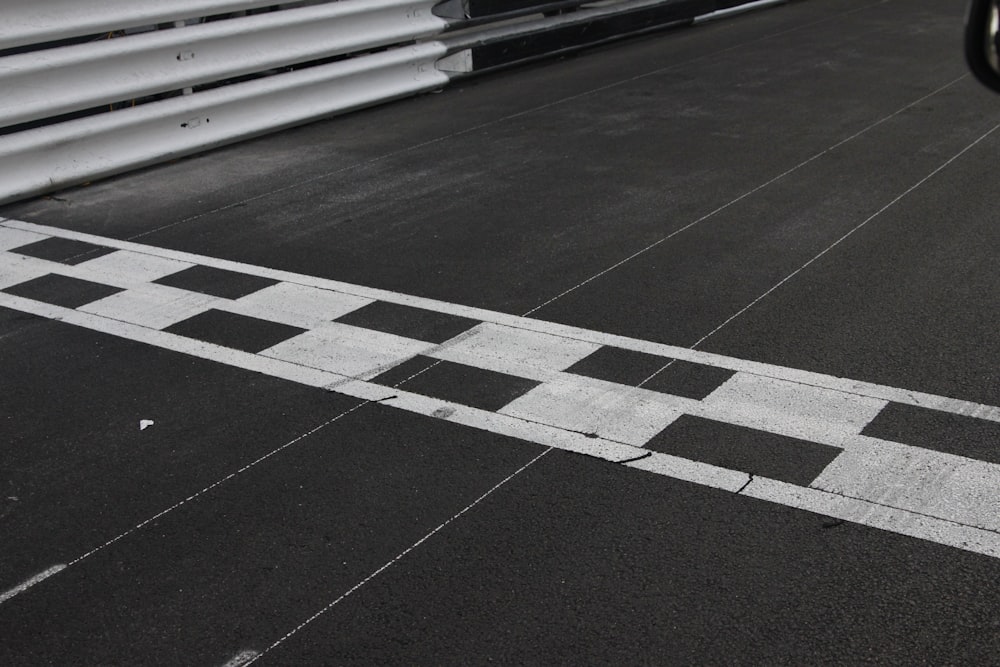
x,y
506,192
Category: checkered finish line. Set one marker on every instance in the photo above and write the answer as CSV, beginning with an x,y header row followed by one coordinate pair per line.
x,y
911,463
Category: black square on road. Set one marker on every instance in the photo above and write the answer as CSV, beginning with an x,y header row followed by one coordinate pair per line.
x,y
62,290
216,282
946,432
748,450
409,322
690,380
614,364
64,251
457,383
236,331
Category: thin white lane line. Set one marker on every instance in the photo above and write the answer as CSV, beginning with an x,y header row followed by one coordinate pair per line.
x,y
41,576
657,372
402,555
482,126
218,483
418,373
745,195
848,234
242,658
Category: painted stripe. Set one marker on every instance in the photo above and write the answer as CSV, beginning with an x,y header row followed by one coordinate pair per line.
x,y
297,305
692,471
242,658
871,390
195,348
893,520
152,306
347,350
15,238
882,484
618,414
38,578
520,346
130,266
792,409
919,480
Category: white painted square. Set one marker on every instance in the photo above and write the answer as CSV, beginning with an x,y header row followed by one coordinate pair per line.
x,y
16,269
353,351
125,267
152,306
15,238
619,413
502,348
297,305
789,408
946,486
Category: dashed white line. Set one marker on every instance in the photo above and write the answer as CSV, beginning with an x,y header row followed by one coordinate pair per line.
x,y
402,555
208,488
242,658
38,578
746,194
846,236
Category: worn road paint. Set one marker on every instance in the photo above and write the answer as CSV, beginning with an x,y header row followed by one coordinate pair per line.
x,y
874,482
38,578
242,658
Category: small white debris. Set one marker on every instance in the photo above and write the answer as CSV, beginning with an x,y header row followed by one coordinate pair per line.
x,y
144,424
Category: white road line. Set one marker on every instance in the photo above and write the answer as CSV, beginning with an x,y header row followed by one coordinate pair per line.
x,y
20,588
617,414
132,266
743,196
846,236
692,471
242,658
494,422
821,423
347,350
297,305
402,555
152,306
891,519
208,488
15,238
788,408
520,346
919,480
570,412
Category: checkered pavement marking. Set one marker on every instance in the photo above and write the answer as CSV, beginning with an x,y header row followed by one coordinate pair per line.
x,y
538,381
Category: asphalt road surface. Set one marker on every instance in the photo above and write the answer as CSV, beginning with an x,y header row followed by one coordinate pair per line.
x,y
680,351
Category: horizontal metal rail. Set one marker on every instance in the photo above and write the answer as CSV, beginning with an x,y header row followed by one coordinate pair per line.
x,y
521,42
56,81
38,21
87,148
197,74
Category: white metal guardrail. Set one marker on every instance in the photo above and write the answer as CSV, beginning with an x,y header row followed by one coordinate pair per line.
x,y
89,89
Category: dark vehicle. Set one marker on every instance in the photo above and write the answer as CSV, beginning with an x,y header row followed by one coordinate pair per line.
x,y
982,51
